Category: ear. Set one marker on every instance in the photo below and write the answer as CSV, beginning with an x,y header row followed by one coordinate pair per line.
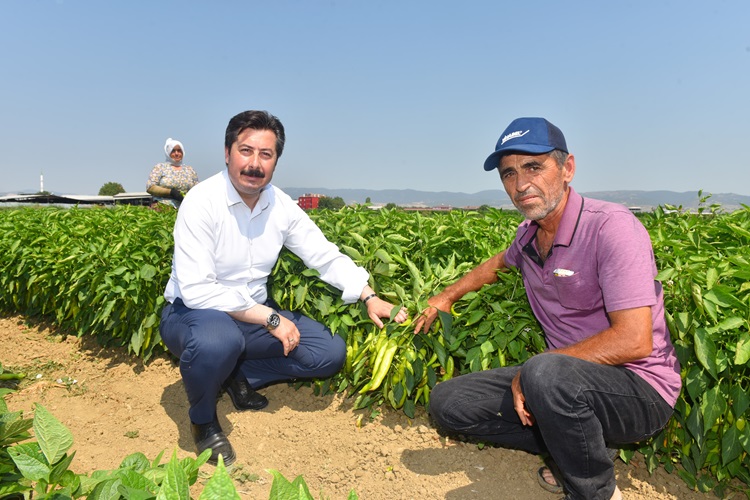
x,y
226,156
569,169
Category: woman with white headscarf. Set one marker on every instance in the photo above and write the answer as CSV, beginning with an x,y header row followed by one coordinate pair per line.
x,y
170,180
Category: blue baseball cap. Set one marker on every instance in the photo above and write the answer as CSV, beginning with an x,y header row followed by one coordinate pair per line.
x,y
526,135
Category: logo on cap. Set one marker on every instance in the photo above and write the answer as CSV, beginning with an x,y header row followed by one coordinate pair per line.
x,y
513,135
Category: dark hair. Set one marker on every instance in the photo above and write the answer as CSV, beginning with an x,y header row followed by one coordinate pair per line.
x,y
256,120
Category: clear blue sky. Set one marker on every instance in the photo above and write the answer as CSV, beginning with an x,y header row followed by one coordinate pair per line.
x,y
651,95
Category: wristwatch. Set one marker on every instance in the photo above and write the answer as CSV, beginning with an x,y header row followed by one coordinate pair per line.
x,y
273,321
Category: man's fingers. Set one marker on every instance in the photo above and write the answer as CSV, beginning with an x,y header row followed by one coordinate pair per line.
x,y
376,320
423,323
522,415
418,325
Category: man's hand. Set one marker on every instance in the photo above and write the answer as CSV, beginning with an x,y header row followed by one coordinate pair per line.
x,y
519,401
287,334
428,316
378,308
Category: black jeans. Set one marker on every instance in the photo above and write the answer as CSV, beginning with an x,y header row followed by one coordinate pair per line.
x,y
578,407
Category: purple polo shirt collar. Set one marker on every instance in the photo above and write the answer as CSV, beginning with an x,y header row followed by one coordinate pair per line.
x,y
565,232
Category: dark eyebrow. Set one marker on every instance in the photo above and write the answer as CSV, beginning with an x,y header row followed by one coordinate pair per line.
x,y
532,163
261,150
525,164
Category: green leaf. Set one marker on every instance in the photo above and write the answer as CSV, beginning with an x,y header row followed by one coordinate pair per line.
x,y
440,351
108,489
688,478
711,277
697,295
54,438
7,489
487,348
136,480
148,272
740,400
665,274
694,424
739,230
446,321
150,321
282,489
307,272
731,323
348,321
730,445
475,317
744,437
13,428
713,405
300,294
695,382
410,408
722,297
130,493
136,341
175,484
381,254
220,486
743,350
61,469
351,252
705,350
30,461
302,491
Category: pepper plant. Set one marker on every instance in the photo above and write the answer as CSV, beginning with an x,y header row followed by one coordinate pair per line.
x,y
102,272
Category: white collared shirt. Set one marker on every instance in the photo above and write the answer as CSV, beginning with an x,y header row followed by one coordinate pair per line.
x,y
224,251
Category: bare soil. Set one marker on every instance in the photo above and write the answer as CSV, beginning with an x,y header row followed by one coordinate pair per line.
x,y
116,405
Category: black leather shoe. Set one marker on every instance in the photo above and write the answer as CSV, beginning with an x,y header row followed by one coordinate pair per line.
x,y
243,396
211,436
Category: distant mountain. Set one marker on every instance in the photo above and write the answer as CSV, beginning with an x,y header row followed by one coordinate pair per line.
x,y
497,198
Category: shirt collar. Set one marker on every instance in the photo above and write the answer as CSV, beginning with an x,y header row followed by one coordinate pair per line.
x,y
568,223
233,197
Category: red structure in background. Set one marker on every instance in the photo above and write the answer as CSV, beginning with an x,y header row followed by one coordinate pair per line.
x,y
309,201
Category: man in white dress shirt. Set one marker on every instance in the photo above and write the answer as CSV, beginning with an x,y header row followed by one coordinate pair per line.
x,y
219,320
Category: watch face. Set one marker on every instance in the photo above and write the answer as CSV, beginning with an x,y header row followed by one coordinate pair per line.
x,y
273,320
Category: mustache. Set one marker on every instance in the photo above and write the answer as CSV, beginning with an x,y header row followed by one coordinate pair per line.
x,y
528,192
253,172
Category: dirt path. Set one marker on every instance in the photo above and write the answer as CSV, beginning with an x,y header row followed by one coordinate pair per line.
x,y
115,405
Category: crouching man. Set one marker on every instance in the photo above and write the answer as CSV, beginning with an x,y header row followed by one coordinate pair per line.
x,y
219,319
610,374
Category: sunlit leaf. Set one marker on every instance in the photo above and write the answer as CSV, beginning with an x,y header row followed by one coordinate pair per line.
x,y
54,438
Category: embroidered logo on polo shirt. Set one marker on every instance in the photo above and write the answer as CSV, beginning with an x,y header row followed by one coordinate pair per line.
x,y
513,135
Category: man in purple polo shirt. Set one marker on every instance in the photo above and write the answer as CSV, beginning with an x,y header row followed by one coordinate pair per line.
x,y
610,375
